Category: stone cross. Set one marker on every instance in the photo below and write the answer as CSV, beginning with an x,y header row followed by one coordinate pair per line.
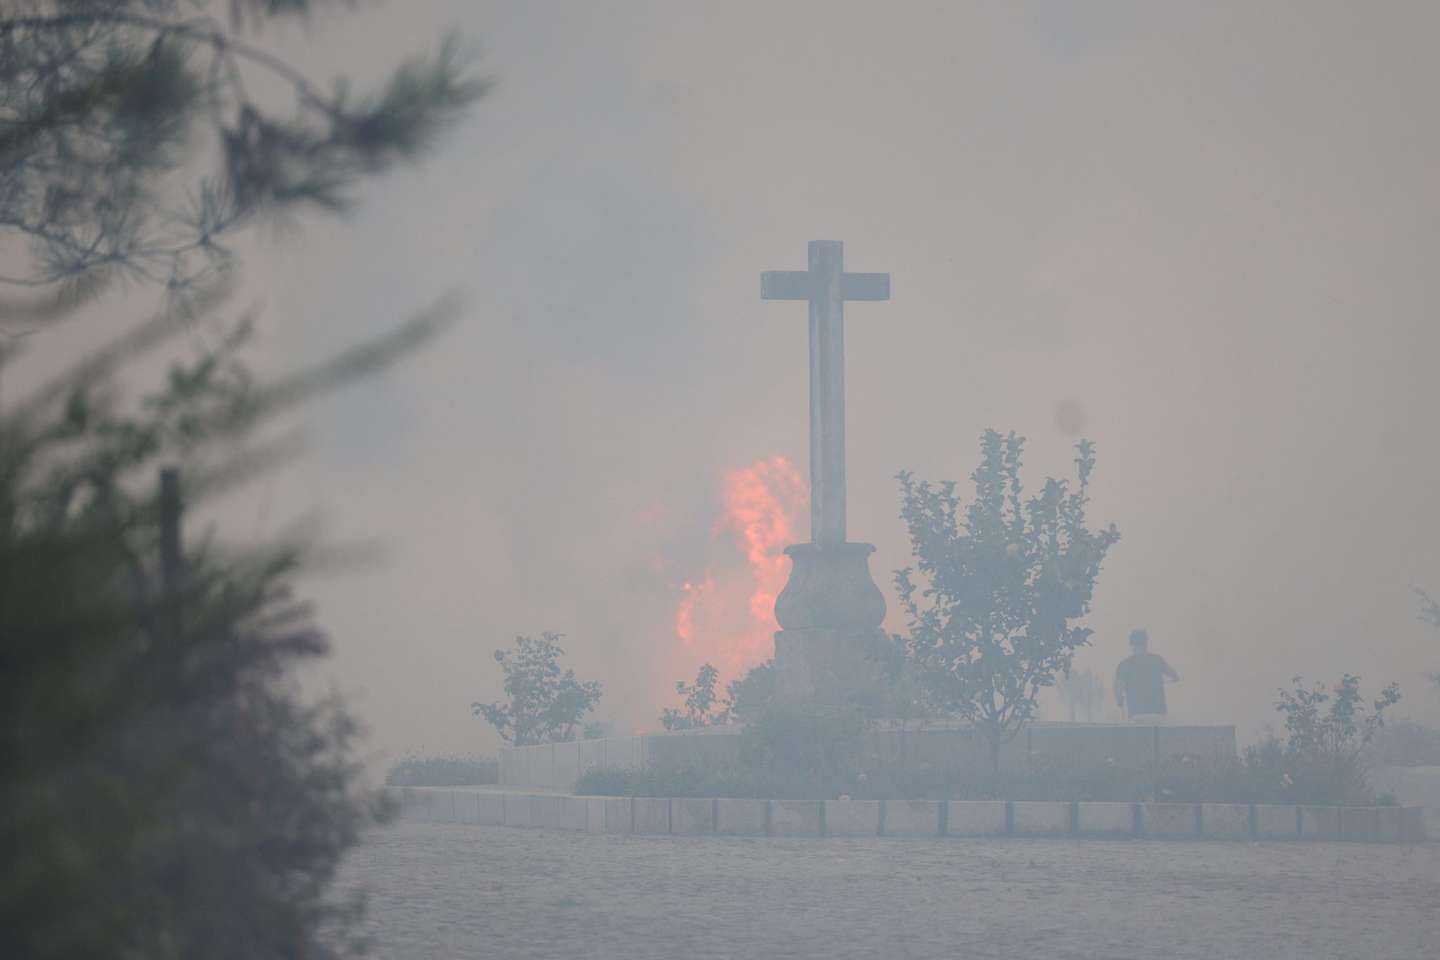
x,y
827,286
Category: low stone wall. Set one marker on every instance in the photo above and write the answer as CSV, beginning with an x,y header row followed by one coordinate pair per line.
x,y
558,766
725,816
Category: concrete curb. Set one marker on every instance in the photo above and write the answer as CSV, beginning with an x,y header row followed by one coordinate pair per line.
x,y
736,817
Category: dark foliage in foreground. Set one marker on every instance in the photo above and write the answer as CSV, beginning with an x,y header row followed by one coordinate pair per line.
x,y
165,790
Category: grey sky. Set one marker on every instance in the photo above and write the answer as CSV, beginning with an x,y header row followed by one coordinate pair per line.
x,y
1210,228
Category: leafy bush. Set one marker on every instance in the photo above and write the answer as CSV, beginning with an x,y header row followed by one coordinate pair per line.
x,y
701,705
1327,732
442,771
545,704
751,695
746,698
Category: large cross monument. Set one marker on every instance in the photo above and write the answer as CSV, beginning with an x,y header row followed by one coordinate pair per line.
x,y
830,610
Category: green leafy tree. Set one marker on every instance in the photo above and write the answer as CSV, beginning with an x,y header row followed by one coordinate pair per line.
x,y
545,704
1001,582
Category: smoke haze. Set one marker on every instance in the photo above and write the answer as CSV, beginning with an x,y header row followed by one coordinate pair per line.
x,y
1202,238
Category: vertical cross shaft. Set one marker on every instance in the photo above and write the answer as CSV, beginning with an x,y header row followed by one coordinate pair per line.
x,y
827,395
826,286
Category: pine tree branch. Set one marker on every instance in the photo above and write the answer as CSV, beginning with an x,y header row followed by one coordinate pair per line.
x,y
209,35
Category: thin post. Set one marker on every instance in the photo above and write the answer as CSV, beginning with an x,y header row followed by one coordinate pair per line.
x,y
171,509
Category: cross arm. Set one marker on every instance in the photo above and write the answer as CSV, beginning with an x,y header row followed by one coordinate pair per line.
x,y
799,285
865,286
785,285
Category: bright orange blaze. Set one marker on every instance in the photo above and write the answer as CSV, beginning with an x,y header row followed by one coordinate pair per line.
x,y
728,618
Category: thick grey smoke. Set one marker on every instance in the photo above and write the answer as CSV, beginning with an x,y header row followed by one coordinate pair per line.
x,y
1201,238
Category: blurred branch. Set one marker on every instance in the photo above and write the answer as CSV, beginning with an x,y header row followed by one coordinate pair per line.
x,y
96,104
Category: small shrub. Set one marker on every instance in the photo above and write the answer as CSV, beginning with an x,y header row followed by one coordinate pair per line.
x,y
544,703
701,704
608,782
746,699
442,771
1327,732
750,696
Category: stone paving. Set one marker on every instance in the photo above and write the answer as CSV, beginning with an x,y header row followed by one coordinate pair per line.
x,y
454,890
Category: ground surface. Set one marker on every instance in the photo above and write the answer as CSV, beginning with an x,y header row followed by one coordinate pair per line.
x,y
448,891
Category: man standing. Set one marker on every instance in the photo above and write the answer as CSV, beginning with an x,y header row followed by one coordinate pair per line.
x,y
1140,680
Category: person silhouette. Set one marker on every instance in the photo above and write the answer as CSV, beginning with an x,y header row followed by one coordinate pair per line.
x,y
1140,680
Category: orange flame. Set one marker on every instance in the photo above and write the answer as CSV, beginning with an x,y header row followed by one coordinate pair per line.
x,y
761,503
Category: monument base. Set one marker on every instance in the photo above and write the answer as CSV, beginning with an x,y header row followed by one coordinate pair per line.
x,y
829,665
830,613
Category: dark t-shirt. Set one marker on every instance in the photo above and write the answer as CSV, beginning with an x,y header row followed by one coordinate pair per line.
x,y
1142,677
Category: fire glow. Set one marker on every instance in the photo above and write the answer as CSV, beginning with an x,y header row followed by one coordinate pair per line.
x,y
727,618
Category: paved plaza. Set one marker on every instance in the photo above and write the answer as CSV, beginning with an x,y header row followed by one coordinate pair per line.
x,y
452,891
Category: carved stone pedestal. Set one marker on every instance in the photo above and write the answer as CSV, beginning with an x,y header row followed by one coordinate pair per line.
x,y
830,613
828,666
